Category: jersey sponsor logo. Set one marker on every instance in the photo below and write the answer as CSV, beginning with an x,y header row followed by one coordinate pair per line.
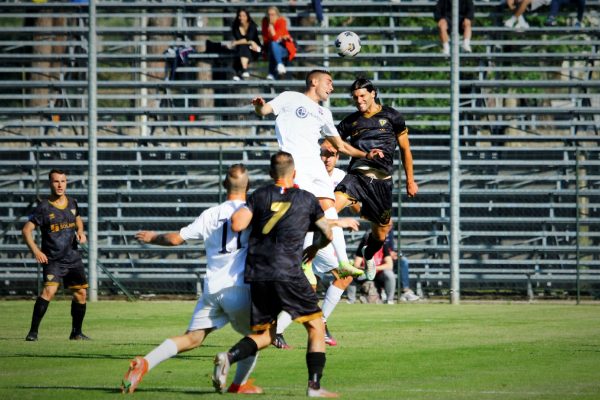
x,y
51,216
61,226
301,112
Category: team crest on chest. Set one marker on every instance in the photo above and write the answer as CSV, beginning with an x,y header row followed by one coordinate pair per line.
x,y
382,122
73,211
51,216
301,112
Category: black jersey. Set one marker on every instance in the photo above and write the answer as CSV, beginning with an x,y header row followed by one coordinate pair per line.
x,y
280,219
58,228
375,132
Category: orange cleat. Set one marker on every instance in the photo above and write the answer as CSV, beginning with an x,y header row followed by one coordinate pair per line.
x,y
245,388
138,367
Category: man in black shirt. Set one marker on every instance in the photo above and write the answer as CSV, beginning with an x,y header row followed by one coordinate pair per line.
x,y
369,179
280,215
61,227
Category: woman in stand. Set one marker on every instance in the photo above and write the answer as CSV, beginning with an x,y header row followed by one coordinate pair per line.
x,y
245,44
278,42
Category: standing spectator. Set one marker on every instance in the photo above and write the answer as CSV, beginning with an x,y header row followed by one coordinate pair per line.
x,y
279,45
318,9
62,228
519,7
557,4
245,44
443,16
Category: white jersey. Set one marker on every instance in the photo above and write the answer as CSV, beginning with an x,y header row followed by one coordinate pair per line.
x,y
225,250
325,260
299,125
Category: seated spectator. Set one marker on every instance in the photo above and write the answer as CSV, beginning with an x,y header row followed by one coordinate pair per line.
x,y
278,42
385,280
407,293
519,7
557,4
443,16
245,44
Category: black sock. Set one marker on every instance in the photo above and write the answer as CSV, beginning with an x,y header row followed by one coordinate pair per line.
x,y
242,349
78,313
39,309
316,364
373,246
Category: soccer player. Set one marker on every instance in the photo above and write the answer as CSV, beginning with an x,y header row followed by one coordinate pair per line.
x,y
280,215
225,297
325,261
61,227
369,180
300,122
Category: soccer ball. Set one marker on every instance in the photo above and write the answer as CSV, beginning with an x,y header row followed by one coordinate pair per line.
x,y
347,44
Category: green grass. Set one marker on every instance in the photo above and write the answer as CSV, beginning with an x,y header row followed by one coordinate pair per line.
x,y
417,351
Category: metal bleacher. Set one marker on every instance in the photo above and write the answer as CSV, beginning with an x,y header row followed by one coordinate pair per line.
x,y
529,112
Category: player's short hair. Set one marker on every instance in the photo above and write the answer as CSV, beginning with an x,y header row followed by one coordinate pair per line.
x,y
313,74
363,83
328,150
237,179
55,171
282,165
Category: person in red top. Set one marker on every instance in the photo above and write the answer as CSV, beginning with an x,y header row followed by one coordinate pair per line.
x,y
278,42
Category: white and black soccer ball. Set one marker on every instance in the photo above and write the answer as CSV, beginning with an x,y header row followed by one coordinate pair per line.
x,y
347,44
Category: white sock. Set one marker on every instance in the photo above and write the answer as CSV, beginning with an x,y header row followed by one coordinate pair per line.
x,y
164,351
244,369
283,321
308,239
511,19
521,19
446,46
467,42
332,297
338,242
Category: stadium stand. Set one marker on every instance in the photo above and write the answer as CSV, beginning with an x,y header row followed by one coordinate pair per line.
x,y
168,126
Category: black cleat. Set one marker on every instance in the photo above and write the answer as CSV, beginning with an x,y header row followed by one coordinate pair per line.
x,y
78,336
280,343
31,337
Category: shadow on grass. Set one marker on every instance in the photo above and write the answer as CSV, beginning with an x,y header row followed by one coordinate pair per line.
x,y
100,356
115,389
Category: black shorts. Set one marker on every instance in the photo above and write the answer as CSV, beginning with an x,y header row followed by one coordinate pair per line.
x,y
461,19
72,275
374,194
269,298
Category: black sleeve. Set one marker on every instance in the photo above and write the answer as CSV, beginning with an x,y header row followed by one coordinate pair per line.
x,y
397,122
253,34
363,243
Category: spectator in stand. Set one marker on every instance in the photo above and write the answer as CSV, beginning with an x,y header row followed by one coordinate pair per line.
x,y
443,16
557,4
318,9
278,43
519,7
407,293
385,280
245,44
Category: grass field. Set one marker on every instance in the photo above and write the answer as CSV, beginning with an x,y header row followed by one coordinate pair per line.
x,y
404,351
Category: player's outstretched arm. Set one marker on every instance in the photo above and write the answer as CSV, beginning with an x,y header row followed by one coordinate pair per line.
x,y
241,219
352,151
407,163
261,107
164,239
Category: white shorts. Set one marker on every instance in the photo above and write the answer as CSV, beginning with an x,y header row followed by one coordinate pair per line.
x,y
325,260
312,177
215,310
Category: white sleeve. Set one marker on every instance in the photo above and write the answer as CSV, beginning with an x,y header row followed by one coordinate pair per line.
x,y
197,229
328,128
279,102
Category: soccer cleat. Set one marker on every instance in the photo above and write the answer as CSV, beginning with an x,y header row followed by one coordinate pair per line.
x,y
245,388
345,268
280,343
138,367
310,392
31,337
370,264
310,275
78,336
219,377
329,339
409,296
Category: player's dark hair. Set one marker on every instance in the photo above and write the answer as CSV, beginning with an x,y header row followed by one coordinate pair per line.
x,y
237,179
312,74
55,171
363,83
282,165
